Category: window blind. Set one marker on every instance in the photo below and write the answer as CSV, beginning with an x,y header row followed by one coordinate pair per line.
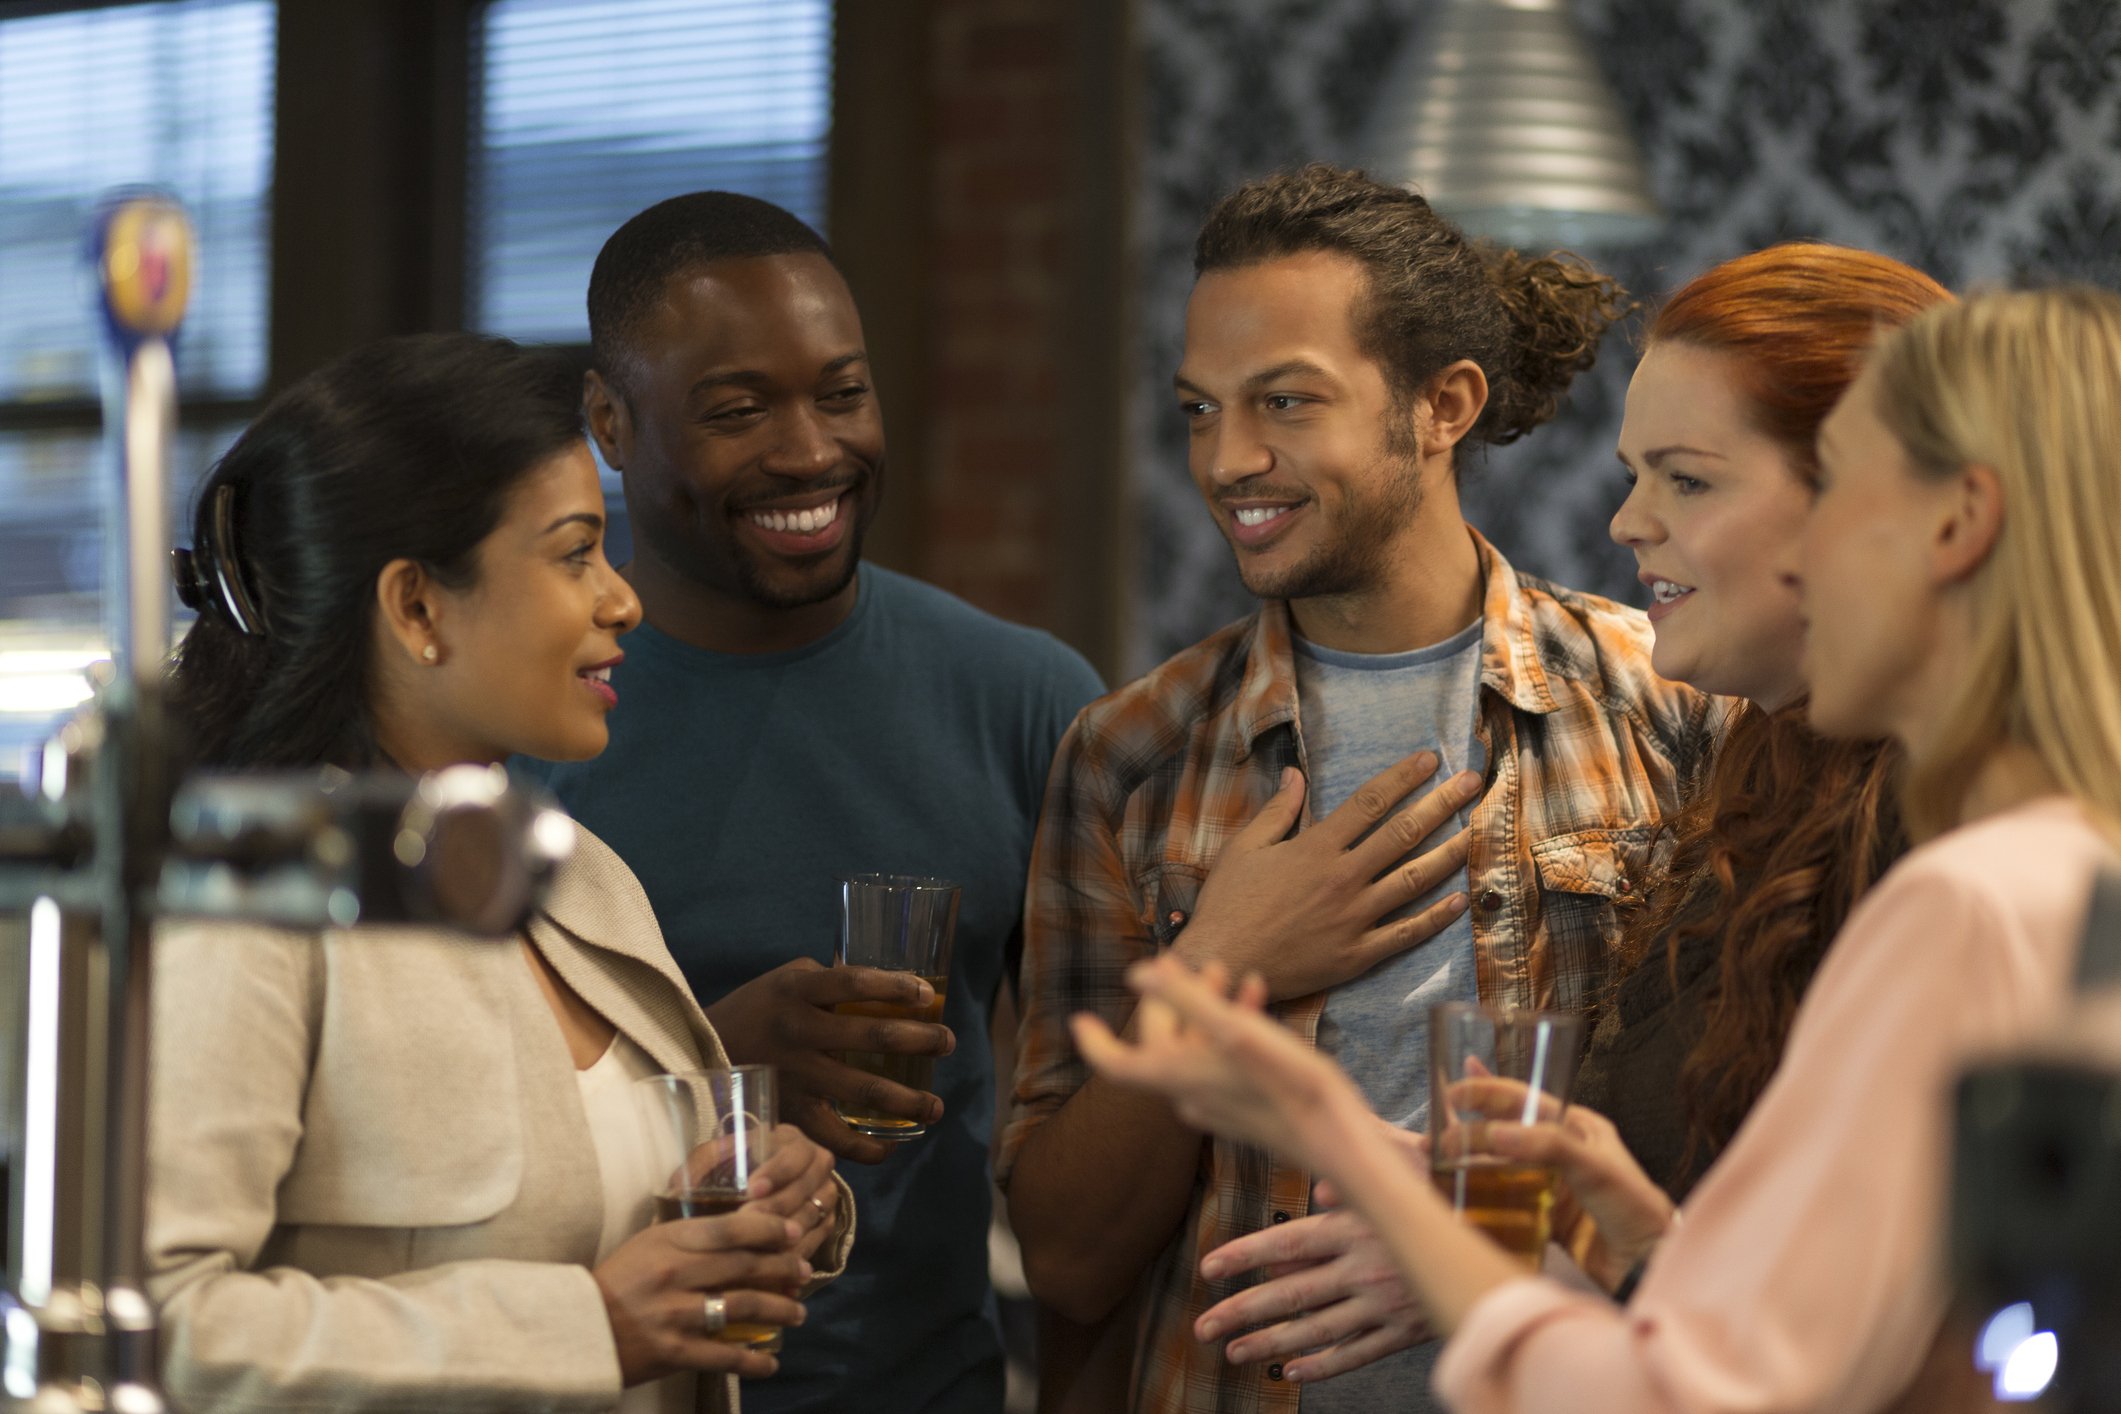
x,y
593,109
178,94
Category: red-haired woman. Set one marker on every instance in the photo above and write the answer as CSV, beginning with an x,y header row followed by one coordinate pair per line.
x,y
1740,367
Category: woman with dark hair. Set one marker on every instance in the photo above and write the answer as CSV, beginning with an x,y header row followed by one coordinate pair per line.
x,y
392,1167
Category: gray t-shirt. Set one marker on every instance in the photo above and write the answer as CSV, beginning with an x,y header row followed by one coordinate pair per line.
x,y
1360,713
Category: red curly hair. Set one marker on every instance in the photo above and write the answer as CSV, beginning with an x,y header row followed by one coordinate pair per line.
x,y
1790,828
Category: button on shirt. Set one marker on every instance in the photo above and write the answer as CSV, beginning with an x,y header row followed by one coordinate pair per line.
x,y
1587,751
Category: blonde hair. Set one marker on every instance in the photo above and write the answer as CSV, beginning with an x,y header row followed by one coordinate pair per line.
x,y
2028,383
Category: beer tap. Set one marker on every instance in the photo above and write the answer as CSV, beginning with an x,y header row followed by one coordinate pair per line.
x,y
84,1336
102,839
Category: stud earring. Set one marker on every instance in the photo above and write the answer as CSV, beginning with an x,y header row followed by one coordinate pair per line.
x,y
430,653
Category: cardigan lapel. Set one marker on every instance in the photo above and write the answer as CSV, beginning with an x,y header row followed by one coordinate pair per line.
x,y
597,907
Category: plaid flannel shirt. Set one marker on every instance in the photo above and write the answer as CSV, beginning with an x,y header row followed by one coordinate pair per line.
x,y
1587,751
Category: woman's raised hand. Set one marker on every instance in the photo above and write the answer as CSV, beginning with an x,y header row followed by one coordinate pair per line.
x,y
1223,1062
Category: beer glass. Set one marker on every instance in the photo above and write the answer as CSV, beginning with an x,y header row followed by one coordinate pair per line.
x,y
901,923
1489,1065
708,1133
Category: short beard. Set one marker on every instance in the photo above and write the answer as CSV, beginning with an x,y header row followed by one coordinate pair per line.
x,y
768,596
675,534
1360,559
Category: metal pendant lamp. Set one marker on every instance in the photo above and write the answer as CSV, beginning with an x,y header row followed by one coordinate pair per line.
x,y
1497,112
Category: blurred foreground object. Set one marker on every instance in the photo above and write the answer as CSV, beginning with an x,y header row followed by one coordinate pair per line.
x,y
2036,1195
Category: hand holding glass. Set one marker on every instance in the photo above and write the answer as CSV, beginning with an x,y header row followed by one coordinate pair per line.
x,y
900,923
1488,1065
710,1132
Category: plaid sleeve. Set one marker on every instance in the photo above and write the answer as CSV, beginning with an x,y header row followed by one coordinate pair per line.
x,y
1083,926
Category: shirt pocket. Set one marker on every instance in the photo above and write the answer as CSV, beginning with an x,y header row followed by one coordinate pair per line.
x,y
1589,882
1168,892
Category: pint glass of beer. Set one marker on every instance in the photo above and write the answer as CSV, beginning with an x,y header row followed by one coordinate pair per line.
x,y
707,1134
901,923
1490,1065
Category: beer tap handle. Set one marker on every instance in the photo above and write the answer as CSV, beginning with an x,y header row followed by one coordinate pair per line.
x,y
141,247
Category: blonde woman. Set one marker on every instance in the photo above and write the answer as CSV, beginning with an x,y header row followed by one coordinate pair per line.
x,y
1962,586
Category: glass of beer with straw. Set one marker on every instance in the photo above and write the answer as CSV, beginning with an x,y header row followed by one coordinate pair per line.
x,y
1490,1065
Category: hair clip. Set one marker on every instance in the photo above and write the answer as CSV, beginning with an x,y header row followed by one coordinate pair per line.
x,y
192,591
222,593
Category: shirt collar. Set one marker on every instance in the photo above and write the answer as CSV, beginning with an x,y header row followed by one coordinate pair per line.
x,y
1266,697
1509,654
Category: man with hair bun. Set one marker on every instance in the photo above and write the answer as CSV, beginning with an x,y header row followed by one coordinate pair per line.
x,y
791,714
1344,345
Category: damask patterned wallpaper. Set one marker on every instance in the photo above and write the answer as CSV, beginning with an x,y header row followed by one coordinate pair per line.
x,y
1978,139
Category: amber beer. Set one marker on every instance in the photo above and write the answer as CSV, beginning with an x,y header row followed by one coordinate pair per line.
x,y
1512,1203
1489,1065
899,923
696,1203
913,1072
674,1205
706,1133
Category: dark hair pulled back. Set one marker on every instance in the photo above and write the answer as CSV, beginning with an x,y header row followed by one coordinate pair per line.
x,y
407,448
1434,297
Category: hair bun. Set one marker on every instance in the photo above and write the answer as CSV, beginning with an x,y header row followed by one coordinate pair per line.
x,y
1559,308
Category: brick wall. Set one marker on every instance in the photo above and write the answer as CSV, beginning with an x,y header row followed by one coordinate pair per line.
x,y
1003,111
980,161
1013,519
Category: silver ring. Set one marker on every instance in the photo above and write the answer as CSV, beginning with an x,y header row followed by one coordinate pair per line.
x,y
824,1213
717,1314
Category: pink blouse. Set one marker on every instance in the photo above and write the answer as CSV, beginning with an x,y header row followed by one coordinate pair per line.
x,y
1809,1272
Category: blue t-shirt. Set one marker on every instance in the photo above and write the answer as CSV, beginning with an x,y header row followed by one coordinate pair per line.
x,y
914,738
1359,713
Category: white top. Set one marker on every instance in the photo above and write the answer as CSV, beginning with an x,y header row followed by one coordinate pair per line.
x,y
626,1163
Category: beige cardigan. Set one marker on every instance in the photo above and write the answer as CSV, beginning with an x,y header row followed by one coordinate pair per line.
x,y
371,1184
